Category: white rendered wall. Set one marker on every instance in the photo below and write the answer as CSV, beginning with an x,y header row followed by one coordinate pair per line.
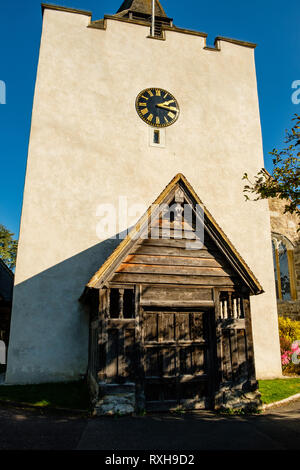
x,y
88,146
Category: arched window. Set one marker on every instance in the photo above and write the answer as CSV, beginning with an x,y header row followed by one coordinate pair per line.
x,y
283,257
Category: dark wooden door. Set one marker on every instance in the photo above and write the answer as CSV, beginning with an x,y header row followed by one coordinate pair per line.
x,y
178,358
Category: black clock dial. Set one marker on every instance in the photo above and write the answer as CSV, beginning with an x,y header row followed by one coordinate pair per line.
x,y
157,107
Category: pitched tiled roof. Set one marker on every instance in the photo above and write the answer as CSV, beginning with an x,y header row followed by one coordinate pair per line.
x,y
141,6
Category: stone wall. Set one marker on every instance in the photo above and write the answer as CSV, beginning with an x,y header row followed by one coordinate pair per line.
x,y
289,309
284,224
287,225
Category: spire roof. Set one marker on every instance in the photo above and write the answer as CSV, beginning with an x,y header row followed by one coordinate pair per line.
x,y
141,6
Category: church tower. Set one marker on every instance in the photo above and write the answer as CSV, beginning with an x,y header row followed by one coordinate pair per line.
x,y
121,109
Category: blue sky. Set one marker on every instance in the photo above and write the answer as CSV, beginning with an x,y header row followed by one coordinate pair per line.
x,y
272,24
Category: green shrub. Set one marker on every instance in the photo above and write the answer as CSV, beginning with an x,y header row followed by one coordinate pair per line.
x,y
289,329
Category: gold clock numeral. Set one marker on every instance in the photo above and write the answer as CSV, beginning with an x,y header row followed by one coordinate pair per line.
x,y
144,111
142,104
157,91
171,115
166,120
145,97
167,94
150,92
157,120
150,117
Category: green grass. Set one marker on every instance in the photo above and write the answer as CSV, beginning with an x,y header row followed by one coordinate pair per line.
x,y
71,395
74,395
278,389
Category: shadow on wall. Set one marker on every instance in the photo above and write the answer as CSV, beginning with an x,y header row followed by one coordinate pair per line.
x,y
50,327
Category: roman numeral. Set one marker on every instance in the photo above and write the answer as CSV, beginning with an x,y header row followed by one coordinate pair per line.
x,y
144,111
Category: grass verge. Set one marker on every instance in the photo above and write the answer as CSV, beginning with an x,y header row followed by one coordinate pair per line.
x,y
70,395
278,389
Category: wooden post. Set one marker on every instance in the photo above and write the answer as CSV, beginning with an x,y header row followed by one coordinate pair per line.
x,y
106,315
121,303
139,338
234,352
218,343
230,307
102,335
249,339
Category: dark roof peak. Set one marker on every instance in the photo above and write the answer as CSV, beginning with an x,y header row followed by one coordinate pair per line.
x,y
141,6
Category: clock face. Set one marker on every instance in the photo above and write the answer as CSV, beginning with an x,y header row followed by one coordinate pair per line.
x,y
157,107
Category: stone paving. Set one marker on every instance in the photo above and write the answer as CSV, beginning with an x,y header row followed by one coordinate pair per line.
x,y
277,429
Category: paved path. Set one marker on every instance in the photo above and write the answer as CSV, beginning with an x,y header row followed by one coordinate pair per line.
x,y
33,429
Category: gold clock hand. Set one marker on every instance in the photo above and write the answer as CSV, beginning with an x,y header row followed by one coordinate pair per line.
x,y
169,108
168,102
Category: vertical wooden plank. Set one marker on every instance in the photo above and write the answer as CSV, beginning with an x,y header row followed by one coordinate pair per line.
x,y
212,357
150,327
167,326
160,333
197,326
105,327
168,361
185,360
234,353
139,347
249,339
112,355
107,305
103,334
242,355
151,362
197,359
121,353
218,346
182,328
226,356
